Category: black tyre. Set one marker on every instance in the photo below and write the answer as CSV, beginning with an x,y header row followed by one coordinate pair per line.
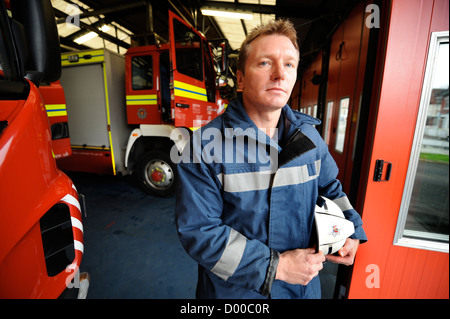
x,y
156,173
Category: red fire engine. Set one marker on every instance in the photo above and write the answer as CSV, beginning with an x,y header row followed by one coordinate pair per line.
x,y
41,232
158,88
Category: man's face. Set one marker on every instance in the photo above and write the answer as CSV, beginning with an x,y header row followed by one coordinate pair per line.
x,y
270,73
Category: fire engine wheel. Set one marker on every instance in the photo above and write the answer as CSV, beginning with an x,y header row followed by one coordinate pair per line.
x,y
157,173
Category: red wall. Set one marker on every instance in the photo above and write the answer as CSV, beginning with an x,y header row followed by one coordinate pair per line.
x,y
347,62
309,91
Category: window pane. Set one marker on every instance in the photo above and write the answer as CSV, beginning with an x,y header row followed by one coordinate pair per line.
x,y
210,76
428,211
188,51
342,124
328,122
142,72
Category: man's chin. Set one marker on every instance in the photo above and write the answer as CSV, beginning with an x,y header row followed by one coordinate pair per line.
x,y
278,102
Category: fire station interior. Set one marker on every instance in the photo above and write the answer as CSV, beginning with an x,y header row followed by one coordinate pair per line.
x,y
131,244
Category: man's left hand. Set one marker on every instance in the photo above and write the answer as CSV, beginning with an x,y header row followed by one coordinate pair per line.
x,y
346,253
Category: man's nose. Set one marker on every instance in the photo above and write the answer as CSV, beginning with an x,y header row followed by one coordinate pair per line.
x,y
278,71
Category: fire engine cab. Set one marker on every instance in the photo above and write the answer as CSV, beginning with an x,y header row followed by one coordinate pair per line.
x,y
41,230
126,113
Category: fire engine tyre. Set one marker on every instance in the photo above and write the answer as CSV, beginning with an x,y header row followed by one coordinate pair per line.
x,y
156,173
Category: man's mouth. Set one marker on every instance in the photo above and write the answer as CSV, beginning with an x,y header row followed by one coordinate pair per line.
x,y
276,89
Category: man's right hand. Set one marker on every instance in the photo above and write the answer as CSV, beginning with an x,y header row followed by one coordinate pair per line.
x,y
299,266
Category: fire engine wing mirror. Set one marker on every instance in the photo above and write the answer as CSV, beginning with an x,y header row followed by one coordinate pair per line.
x,y
221,57
43,61
225,53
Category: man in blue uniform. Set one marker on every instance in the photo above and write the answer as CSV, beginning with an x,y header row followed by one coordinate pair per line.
x,y
249,182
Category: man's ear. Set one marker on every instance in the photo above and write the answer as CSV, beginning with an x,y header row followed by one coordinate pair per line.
x,y
240,79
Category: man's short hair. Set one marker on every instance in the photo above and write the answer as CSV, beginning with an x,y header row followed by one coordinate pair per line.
x,y
279,26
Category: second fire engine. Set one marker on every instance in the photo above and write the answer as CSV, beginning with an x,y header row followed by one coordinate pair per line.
x,y
125,113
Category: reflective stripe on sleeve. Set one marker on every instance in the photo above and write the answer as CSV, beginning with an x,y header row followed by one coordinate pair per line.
x,y
231,256
343,203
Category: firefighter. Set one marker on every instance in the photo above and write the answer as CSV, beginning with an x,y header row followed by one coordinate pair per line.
x,y
250,179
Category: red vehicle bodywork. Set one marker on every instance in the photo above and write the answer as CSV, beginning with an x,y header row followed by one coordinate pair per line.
x,y
55,104
41,232
31,188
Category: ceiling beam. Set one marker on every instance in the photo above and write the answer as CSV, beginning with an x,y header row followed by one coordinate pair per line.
x,y
94,13
241,6
95,29
297,10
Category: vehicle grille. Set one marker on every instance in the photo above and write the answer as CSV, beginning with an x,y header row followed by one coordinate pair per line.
x,y
57,239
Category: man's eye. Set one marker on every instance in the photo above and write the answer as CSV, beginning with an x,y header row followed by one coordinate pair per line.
x,y
264,63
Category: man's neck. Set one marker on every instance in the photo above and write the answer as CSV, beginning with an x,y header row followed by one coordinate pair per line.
x,y
265,120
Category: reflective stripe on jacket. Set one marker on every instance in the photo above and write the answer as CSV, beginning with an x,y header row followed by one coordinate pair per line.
x,y
243,198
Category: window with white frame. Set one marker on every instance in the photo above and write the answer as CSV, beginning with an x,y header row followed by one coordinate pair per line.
x,y
342,124
424,213
329,116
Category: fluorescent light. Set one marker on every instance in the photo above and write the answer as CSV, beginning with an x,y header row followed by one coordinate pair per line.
x,y
89,36
86,37
227,14
105,28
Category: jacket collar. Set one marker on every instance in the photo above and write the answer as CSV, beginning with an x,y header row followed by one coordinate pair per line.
x,y
236,117
237,123
296,118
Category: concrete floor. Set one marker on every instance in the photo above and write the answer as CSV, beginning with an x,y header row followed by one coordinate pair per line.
x,y
131,247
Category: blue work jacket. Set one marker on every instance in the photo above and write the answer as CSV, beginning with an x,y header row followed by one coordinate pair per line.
x,y
244,198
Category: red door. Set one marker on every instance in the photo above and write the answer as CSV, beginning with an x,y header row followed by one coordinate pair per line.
x,y
142,86
189,93
406,217
347,62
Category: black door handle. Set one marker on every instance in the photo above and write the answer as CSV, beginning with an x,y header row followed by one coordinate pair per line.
x,y
379,168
